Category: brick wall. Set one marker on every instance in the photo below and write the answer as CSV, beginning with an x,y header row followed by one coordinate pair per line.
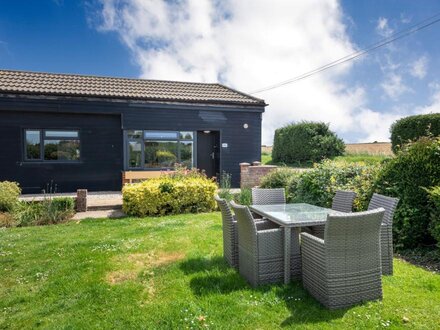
x,y
250,175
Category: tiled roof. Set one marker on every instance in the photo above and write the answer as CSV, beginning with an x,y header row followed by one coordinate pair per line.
x,y
39,83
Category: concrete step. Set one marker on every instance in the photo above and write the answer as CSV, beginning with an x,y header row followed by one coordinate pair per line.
x,y
104,207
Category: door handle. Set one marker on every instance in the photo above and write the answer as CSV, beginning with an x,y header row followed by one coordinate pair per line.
x,y
213,155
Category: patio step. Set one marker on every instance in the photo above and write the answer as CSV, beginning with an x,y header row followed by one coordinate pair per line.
x,y
104,206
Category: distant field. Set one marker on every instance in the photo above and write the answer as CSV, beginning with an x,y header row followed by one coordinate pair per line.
x,y
368,152
379,148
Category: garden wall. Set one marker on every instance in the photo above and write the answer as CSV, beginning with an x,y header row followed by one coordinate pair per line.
x,y
250,175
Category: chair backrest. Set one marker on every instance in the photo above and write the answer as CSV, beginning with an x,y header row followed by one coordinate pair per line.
x,y
262,196
224,209
388,203
343,201
352,241
247,229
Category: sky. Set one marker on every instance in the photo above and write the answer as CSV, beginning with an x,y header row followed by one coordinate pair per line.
x,y
248,45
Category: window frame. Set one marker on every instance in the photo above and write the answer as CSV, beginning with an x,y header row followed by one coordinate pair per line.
x,y
142,141
44,137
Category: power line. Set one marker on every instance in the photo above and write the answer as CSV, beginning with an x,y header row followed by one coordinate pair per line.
x,y
383,42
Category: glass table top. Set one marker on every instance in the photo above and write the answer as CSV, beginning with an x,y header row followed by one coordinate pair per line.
x,y
294,215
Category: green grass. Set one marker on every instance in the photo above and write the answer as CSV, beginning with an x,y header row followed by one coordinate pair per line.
x,y
167,273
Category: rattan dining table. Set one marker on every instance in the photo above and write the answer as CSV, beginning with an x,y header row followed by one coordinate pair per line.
x,y
293,217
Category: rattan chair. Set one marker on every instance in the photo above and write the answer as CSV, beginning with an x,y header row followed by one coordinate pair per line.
x,y
230,241
386,229
345,268
260,248
342,202
262,196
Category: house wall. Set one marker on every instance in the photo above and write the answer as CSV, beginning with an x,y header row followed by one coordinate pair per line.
x,y
102,124
101,152
242,144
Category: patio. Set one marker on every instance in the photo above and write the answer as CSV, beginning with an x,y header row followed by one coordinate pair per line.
x,y
169,272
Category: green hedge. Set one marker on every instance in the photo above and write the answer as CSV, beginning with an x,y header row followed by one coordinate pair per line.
x,y
411,128
305,142
434,197
169,195
415,169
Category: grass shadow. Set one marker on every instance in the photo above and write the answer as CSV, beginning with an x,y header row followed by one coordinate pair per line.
x,y
303,307
204,264
217,284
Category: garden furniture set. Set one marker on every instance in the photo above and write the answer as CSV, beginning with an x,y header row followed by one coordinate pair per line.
x,y
339,254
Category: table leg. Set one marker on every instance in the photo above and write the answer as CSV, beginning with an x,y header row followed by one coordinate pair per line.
x,y
287,248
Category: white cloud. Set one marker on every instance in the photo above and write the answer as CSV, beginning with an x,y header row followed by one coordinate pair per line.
x,y
394,87
434,104
376,124
249,44
383,28
419,67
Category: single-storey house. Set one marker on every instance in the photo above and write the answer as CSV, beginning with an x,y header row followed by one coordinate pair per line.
x,y
88,132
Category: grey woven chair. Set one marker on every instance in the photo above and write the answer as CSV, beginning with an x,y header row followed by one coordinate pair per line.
x,y
345,268
262,196
342,202
260,248
386,229
230,241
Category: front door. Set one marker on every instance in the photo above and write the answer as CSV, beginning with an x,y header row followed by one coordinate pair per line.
x,y
208,152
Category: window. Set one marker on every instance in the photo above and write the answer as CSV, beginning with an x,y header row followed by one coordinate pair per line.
x,y
159,149
52,145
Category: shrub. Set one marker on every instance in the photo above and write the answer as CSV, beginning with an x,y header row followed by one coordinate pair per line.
x,y
49,211
7,220
283,177
63,204
305,141
244,197
27,213
9,193
406,176
434,197
225,187
413,127
55,210
319,185
169,195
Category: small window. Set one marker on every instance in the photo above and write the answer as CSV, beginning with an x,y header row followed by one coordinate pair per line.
x,y
134,154
133,134
186,135
160,135
62,134
33,145
52,145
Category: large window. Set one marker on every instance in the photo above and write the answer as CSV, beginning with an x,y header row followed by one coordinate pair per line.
x,y
159,149
52,145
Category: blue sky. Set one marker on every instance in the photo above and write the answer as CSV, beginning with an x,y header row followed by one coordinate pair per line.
x,y
248,46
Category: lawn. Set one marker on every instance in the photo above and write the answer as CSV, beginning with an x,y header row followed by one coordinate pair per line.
x,y
169,273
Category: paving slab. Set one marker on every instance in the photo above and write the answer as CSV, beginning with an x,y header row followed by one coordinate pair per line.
x,y
112,214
